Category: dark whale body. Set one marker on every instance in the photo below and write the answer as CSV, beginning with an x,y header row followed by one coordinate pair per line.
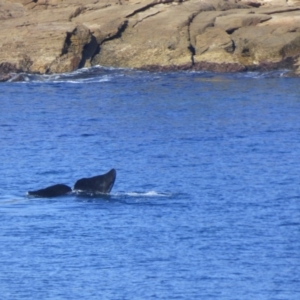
x,y
51,191
97,184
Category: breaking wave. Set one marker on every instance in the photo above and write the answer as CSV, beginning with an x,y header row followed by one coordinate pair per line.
x,y
98,74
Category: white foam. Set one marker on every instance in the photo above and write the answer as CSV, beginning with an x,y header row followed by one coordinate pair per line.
x,y
86,80
144,194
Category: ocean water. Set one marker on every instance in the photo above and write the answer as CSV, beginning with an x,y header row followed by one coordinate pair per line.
x,y
206,204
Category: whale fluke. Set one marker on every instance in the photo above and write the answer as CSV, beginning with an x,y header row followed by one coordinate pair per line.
x,y
97,184
51,191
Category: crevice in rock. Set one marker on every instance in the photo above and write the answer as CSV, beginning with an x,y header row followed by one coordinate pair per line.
x,y
77,12
245,52
119,33
231,31
154,14
274,12
144,8
233,46
193,52
89,9
67,43
253,4
88,52
191,47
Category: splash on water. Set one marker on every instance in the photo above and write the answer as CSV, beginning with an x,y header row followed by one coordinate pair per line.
x,y
147,194
100,74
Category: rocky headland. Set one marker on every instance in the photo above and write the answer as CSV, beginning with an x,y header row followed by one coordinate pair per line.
x,y
55,36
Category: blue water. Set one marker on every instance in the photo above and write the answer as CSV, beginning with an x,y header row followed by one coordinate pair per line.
x,y
206,203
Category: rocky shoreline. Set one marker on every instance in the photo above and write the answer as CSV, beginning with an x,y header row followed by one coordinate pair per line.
x,y
56,36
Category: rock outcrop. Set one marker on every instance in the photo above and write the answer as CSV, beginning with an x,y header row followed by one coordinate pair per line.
x,y
54,36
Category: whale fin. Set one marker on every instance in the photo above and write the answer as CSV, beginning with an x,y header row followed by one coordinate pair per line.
x,y
51,191
97,184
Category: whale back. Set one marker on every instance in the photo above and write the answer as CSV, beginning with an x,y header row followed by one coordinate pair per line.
x,y
97,184
51,191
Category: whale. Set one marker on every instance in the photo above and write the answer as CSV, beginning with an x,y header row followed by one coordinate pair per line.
x,y
100,184
51,191
97,184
